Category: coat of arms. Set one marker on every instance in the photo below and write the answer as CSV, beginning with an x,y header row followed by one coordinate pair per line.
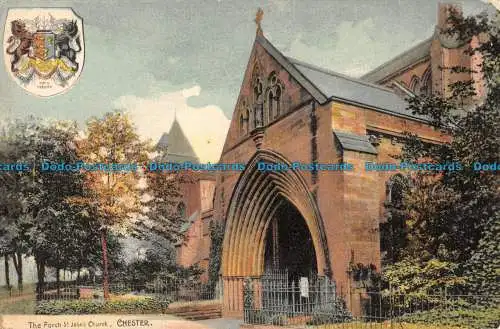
x,y
44,49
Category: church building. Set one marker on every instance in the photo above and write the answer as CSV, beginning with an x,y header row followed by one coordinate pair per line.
x,y
308,220
196,203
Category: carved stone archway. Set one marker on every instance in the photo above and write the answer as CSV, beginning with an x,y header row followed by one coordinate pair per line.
x,y
256,197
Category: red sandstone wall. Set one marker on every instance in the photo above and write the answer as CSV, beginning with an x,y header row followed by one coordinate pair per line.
x,y
188,254
293,92
198,197
351,203
363,193
239,149
418,69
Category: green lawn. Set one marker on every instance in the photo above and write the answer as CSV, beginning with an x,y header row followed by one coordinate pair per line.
x,y
5,293
22,306
17,302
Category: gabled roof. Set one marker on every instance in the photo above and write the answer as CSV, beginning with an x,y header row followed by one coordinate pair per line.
x,y
401,90
353,142
400,62
325,85
287,65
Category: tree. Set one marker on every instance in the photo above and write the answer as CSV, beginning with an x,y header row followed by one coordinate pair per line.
x,y
163,215
7,223
113,196
53,236
36,214
452,216
393,233
21,192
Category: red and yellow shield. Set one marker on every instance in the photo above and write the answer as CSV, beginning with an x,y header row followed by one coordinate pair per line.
x,y
44,46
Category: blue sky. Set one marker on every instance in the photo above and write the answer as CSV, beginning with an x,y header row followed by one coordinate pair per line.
x,y
156,57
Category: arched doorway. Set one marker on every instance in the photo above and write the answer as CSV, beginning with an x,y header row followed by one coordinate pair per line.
x,y
260,201
289,244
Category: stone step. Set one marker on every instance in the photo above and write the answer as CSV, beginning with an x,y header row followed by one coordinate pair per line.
x,y
193,309
197,311
202,316
199,315
188,308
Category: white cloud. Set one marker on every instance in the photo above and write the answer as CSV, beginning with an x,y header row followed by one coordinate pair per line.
x,y
205,127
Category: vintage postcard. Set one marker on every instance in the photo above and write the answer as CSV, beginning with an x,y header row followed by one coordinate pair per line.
x,y
250,164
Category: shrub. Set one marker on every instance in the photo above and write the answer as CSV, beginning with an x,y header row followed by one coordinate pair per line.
x,y
69,307
278,319
130,306
256,317
334,312
471,317
141,306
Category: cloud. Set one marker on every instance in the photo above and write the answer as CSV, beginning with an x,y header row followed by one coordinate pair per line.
x,y
205,127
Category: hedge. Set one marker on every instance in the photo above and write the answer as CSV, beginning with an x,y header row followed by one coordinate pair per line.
x,y
132,306
473,317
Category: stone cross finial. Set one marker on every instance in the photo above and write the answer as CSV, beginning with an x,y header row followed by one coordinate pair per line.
x,y
258,19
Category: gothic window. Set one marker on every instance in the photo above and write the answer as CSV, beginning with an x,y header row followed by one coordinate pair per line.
x,y
273,100
258,114
422,86
242,124
256,98
415,85
257,91
270,102
244,118
277,98
426,88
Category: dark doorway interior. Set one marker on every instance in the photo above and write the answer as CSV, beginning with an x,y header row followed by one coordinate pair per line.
x,y
289,244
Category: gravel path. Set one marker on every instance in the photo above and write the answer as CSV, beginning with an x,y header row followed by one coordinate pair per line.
x,y
222,323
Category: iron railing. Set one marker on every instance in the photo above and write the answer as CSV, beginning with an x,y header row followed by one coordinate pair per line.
x,y
374,310
172,290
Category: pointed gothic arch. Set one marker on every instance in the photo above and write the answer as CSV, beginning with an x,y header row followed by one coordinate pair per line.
x,y
415,85
244,117
256,198
426,82
257,97
273,99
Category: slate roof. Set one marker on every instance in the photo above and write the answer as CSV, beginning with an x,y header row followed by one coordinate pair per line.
x,y
178,147
163,142
407,58
325,85
353,142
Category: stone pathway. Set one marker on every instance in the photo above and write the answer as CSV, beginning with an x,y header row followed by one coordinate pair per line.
x,y
221,323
